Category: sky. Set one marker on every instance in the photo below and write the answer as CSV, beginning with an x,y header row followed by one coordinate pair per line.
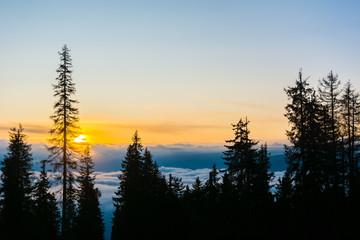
x,y
180,72
177,71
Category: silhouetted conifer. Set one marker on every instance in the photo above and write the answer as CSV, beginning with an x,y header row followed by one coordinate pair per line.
x,y
315,160
16,188
212,186
304,158
197,190
130,214
350,108
263,177
246,196
240,157
329,95
89,222
175,186
65,129
47,216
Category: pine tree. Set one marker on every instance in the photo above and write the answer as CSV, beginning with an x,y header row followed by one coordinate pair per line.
x,y
153,180
16,189
304,157
127,201
144,199
285,191
89,222
240,159
286,217
65,129
310,166
329,95
47,216
175,186
263,177
197,190
247,182
350,105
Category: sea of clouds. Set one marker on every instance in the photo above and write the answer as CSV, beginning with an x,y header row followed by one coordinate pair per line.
x,y
186,161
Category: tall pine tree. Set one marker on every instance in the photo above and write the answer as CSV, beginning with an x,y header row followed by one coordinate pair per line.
x,y
329,95
304,157
65,129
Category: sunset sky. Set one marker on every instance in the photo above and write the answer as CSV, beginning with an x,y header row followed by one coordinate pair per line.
x,y
177,71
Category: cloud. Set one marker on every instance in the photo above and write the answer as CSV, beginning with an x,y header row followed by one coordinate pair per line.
x,y
28,128
160,127
108,158
107,178
108,182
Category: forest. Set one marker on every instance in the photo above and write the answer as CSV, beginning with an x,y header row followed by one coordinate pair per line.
x,y
316,198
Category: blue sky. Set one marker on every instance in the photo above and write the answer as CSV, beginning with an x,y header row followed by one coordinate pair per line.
x,y
178,71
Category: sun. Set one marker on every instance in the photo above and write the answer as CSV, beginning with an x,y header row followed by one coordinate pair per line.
x,y
80,139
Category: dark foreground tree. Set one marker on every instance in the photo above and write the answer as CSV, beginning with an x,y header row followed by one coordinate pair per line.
x,y
47,216
314,194
65,129
350,109
246,184
144,200
128,198
16,189
329,95
240,157
89,222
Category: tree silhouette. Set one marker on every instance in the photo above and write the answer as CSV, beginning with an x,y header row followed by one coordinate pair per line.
x,y
304,157
65,129
350,105
127,210
246,198
263,177
240,158
47,216
89,222
329,95
16,202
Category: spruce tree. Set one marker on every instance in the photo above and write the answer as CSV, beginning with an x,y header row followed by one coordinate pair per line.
x,y
89,222
247,182
350,105
127,201
175,186
212,186
47,215
263,177
311,165
153,180
329,95
197,190
65,129
240,157
304,158
144,199
16,188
